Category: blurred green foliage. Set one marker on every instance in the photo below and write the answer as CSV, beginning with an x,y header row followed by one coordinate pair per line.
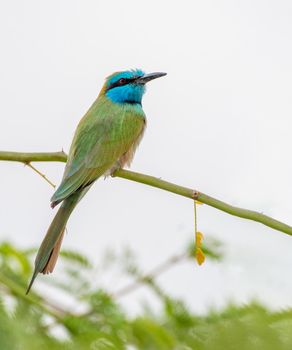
x,y
34,322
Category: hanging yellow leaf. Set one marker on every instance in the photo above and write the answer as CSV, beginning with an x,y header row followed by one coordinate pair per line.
x,y
200,257
198,202
199,239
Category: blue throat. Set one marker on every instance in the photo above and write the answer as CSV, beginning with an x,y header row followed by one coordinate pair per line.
x,y
131,93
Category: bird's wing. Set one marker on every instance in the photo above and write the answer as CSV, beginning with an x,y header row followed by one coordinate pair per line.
x,y
100,140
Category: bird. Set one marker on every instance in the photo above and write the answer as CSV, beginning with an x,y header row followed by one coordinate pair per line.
x,y
105,140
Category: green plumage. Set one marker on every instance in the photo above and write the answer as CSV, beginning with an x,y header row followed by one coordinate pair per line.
x,y
103,136
105,140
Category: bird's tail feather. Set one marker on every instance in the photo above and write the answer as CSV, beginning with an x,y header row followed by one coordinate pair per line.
x,y
49,250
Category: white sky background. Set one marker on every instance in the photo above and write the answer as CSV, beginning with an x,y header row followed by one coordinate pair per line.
x,y
219,122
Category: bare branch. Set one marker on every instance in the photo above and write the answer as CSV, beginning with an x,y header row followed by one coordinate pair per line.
x,y
161,184
27,157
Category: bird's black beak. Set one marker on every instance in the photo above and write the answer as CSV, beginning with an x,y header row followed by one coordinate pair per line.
x,y
148,77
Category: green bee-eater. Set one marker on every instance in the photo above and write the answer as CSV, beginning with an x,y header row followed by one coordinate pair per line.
x,y
105,140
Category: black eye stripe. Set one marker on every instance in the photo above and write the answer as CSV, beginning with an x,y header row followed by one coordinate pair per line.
x,y
122,82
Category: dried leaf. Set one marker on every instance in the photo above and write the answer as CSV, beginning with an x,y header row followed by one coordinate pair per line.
x,y
200,257
199,239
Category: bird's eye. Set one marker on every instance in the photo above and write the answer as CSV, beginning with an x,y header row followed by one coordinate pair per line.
x,y
122,81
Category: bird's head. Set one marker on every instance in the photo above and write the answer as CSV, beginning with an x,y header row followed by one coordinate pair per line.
x,y
128,86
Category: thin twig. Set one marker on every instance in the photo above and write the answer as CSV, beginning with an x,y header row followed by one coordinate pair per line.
x,y
152,274
195,218
41,174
